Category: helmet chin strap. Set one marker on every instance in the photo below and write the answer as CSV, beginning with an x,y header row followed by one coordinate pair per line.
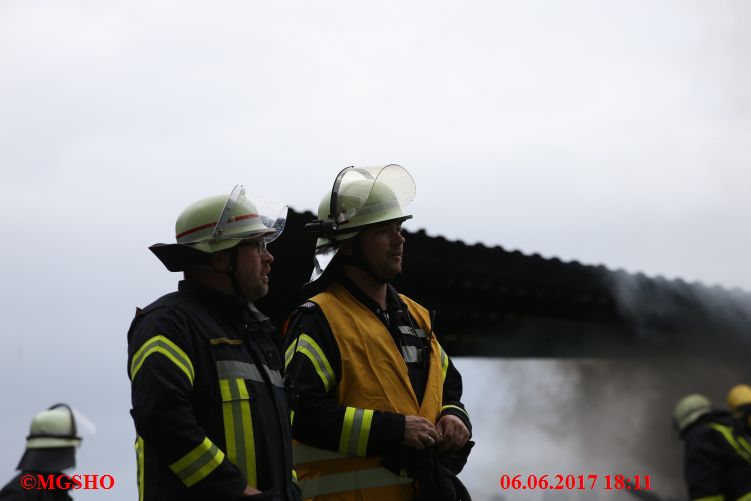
x,y
232,272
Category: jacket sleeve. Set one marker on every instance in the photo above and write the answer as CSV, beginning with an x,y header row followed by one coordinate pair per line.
x,y
452,394
161,366
313,367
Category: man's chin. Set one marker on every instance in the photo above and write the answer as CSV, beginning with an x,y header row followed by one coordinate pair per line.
x,y
392,274
258,293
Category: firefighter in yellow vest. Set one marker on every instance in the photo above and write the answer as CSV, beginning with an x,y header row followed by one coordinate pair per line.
x,y
371,385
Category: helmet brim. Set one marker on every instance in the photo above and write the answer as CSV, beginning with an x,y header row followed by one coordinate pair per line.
x,y
347,233
179,257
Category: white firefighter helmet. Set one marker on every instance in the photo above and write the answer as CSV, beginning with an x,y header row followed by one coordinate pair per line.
x,y
360,198
58,426
217,223
689,409
53,437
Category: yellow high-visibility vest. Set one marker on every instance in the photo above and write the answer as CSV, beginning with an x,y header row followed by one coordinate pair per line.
x,y
373,377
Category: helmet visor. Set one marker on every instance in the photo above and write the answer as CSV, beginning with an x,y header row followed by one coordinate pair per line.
x,y
241,219
84,426
355,192
273,215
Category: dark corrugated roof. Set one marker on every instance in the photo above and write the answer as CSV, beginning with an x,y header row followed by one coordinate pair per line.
x,y
495,302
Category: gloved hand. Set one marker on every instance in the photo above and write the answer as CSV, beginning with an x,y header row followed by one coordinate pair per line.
x,y
434,480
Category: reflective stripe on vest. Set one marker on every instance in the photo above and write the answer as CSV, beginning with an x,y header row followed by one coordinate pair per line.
x,y
340,482
411,355
238,425
444,365
302,454
350,481
406,329
198,463
726,432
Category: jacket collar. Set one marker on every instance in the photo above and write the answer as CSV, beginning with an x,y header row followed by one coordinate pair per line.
x,y
226,305
393,301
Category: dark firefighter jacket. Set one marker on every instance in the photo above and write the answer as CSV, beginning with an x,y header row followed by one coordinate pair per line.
x,y
323,417
208,402
717,460
14,491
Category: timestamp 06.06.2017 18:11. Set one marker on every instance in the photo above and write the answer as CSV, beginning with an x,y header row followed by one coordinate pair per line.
x,y
576,482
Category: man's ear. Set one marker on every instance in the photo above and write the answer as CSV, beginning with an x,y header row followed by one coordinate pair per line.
x,y
220,260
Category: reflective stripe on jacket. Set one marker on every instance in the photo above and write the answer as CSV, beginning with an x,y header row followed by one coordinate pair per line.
x,y
208,401
717,461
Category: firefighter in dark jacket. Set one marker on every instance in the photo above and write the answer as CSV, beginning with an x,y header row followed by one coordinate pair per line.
x,y
717,462
375,394
209,406
51,446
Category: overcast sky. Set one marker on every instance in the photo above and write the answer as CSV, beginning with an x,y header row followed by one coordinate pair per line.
x,y
614,133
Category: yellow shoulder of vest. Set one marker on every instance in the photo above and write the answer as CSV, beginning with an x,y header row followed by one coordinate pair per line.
x,y
334,295
331,294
